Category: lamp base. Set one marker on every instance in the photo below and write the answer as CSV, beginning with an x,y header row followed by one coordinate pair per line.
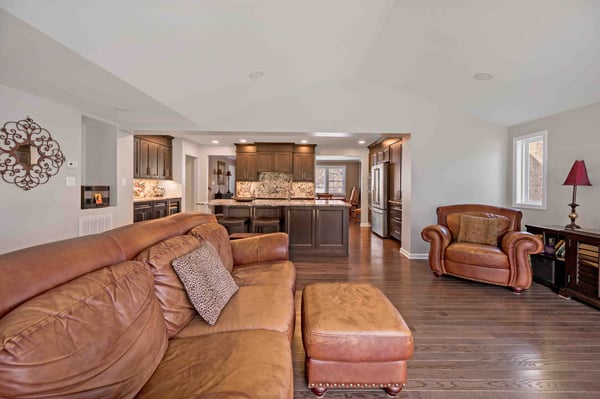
x,y
573,215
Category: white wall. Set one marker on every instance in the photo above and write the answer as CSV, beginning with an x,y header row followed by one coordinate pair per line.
x,y
572,135
51,211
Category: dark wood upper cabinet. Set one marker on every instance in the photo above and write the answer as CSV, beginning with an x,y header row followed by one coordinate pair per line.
x,y
396,170
152,157
275,157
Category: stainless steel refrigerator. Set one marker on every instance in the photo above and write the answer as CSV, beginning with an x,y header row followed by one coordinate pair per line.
x,y
379,199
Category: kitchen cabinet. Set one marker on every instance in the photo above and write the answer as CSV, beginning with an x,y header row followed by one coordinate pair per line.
x,y
155,209
152,157
395,220
297,159
304,163
245,166
396,171
317,230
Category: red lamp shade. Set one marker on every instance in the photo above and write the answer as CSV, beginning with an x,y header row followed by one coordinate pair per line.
x,y
578,175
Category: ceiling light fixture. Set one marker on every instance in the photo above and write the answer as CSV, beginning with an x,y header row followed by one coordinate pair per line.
x,y
304,141
256,75
330,134
361,141
483,76
215,141
243,140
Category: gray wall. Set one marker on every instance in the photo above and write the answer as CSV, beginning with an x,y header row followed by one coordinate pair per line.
x,y
572,135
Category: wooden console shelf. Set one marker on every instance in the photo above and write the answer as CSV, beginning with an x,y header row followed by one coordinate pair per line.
x,y
576,275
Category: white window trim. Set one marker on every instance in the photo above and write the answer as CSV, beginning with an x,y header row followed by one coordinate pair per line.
x,y
519,162
327,167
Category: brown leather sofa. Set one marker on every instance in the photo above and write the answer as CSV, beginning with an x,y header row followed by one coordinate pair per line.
x,y
104,316
504,261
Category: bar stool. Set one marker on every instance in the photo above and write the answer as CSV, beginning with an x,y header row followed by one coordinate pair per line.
x,y
263,217
234,225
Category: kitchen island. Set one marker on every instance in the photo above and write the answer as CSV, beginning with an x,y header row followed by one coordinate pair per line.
x,y
314,227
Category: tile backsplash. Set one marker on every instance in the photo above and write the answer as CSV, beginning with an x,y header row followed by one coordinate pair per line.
x,y
274,185
147,188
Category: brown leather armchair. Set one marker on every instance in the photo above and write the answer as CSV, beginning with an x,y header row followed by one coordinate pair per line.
x,y
456,253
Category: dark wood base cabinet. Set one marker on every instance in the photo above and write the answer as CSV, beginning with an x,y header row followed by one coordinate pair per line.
x,y
155,209
573,273
317,230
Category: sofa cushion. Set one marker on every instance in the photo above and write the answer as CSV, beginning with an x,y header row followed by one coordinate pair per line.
x,y
101,335
174,302
217,235
281,272
208,285
477,230
251,308
257,363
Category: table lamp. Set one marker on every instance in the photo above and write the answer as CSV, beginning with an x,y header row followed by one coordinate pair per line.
x,y
577,177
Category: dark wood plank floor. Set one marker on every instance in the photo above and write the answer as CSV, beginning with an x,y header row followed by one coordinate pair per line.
x,y
472,340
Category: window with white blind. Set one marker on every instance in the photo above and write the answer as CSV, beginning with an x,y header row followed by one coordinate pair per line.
x,y
331,179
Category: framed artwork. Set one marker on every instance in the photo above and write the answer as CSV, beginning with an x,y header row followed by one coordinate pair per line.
x,y
98,198
221,172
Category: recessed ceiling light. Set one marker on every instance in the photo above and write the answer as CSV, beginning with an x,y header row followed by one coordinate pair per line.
x,y
304,141
215,141
361,141
483,76
256,75
243,140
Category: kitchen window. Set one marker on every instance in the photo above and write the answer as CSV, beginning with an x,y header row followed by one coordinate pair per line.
x,y
529,170
331,179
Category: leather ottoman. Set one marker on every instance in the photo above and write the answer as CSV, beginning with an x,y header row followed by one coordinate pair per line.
x,y
353,338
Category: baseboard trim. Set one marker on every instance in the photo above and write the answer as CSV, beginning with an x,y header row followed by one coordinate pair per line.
x,y
414,256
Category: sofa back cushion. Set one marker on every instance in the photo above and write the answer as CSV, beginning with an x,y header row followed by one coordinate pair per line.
x,y
174,302
217,235
101,335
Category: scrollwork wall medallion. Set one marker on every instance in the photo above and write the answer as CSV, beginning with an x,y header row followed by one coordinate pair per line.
x,y
29,155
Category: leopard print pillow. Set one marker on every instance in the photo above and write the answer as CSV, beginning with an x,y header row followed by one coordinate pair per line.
x,y
207,283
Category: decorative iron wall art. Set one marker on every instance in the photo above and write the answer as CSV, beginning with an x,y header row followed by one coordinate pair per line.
x,y
29,155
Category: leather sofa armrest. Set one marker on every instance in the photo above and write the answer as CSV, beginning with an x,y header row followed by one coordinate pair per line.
x,y
518,245
268,247
439,238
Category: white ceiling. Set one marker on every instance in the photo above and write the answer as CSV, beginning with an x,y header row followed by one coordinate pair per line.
x,y
182,67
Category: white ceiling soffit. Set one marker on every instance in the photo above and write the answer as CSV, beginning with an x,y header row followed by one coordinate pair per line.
x,y
317,57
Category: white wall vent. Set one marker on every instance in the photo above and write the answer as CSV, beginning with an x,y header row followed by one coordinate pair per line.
x,y
94,224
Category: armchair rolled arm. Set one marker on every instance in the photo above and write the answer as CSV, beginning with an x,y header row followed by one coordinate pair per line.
x,y
439,238
261,248
518,245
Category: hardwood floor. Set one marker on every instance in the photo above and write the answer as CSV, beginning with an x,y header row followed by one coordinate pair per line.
x,y
472,340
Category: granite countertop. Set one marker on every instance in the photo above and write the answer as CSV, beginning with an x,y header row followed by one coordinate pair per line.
x,y
143,199
275,202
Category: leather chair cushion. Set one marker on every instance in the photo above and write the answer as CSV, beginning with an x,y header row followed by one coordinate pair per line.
x,y
101,335
477,254
255,362
280,273
217,235
251,308
173,299
453,222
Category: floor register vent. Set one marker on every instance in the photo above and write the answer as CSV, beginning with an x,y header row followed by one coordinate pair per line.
x,y
94,224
